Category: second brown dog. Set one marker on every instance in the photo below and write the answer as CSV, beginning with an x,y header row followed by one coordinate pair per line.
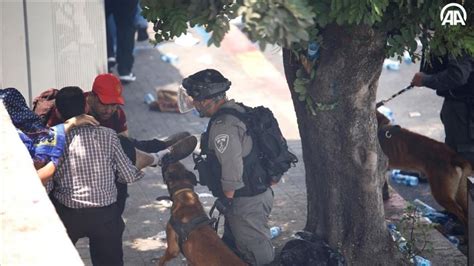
x,y
446,171
202,245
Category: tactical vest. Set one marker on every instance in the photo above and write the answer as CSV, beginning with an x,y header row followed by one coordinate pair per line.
x,y
209,168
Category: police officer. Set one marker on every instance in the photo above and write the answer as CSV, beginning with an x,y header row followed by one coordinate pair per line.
x,y
230,168
453,79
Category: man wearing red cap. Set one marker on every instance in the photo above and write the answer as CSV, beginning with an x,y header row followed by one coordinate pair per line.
x,y
104,104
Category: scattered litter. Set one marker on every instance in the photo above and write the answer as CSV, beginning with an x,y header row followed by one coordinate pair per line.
x,y
420,261
387,113
186,40
400,178
160,236
275,231
414,114
169,58
149,98
205,195
391,64
407,58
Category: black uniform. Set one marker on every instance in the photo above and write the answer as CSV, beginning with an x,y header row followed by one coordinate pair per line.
x,y
453,79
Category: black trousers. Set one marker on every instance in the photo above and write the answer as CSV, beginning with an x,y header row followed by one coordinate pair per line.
x,y
124,13
455,118
128,146
103,226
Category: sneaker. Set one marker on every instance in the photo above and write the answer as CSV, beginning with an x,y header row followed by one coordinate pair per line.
x,y
170,140
179,150
111,62
128,78
156,145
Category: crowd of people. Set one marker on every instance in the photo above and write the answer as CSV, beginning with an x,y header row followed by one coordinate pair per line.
x,y
85,158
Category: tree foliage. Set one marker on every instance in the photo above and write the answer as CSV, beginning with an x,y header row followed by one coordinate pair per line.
x,y
293,23
296,23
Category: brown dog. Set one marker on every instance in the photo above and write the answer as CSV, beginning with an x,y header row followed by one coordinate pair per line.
x,y
202,245
446,171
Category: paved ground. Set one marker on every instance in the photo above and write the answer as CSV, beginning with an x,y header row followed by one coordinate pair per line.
x,y
257,79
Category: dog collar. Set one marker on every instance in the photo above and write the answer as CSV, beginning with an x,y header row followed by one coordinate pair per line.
x,y
180,191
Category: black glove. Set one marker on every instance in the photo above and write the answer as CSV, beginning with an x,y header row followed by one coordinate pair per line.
x,y
223,204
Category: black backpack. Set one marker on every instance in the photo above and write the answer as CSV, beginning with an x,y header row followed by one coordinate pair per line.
x,y
262,126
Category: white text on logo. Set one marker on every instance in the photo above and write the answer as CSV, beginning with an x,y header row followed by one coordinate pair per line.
x,y
453,16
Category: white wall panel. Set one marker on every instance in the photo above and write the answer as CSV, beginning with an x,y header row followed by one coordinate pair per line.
x,y
13,60
65,41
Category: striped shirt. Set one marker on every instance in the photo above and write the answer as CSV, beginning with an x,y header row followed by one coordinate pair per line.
x,y
92,160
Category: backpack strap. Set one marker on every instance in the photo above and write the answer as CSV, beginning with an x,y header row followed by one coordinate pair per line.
x,y
242,116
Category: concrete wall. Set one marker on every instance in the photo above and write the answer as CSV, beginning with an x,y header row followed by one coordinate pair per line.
x,y
31,232
51,43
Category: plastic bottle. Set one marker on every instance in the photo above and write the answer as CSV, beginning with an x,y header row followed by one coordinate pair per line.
x,y
454,240
420,261
423,207
396,236
410,180
407,58
275,231
437,217
313,48
393,65
404,179
149,98
387,113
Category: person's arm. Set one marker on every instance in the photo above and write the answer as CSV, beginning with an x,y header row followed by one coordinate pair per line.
x,y
79,121
46,172
455,75
227,144
126,171
124,133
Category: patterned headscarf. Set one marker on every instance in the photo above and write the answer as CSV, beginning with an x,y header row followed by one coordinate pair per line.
x,y
22,117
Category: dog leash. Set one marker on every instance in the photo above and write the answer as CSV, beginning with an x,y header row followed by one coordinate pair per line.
x,y
211,212
393,96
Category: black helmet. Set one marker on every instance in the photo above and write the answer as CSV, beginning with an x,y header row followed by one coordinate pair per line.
x,y
205,84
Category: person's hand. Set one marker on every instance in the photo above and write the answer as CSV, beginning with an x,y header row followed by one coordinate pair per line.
x,y
83,120
417,79
79,121
223,204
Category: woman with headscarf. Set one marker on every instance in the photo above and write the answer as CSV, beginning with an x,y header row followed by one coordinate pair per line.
x,y
45,145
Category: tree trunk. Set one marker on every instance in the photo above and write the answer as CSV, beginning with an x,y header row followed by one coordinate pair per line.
x,y
340,147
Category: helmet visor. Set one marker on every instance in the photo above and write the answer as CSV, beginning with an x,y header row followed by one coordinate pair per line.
x,y
185,102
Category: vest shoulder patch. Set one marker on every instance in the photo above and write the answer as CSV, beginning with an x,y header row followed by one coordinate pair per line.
x,y
221,142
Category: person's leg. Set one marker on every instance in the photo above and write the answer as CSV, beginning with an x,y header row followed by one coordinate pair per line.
x,y
111,31
105,236
141,24
139,21
180,148
156,145
124,14
248,220
72,220
455,118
